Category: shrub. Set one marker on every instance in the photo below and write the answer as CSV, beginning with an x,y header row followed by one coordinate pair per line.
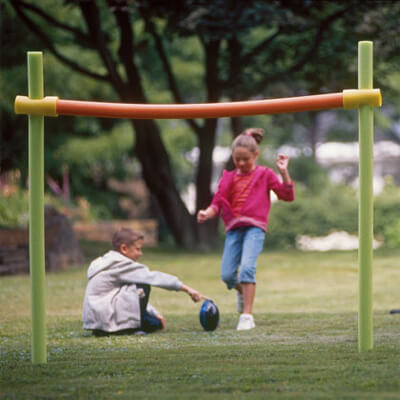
x,y
386,215
392,234
14,209
334,208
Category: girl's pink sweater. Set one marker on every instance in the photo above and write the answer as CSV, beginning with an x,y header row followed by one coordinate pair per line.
x,y
256,208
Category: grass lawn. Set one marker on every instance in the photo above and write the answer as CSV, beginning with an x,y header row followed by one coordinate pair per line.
x,y
304,345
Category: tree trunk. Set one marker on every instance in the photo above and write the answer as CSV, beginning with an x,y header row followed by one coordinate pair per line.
x,y
207,232
158,177
149,148
313,137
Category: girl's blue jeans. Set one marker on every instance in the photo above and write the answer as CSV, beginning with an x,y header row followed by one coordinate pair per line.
x,y
242,247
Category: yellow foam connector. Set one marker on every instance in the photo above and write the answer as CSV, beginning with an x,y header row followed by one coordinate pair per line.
x,y
46,106
353,98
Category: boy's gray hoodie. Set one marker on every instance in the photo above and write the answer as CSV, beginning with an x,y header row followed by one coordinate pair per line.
x,y
111,300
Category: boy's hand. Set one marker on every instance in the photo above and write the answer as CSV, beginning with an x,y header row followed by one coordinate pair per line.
x,y
162,320
194,294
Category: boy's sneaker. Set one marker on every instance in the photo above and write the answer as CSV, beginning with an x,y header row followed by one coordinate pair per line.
x,y
246,322
140,333
239,302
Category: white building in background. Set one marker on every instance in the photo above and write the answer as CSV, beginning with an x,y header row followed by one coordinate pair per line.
x,y
342,160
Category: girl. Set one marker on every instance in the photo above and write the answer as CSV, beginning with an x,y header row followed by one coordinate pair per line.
x,y
243,199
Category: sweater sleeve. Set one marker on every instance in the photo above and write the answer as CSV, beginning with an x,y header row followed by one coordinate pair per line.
x,y
284,191
219,198
139,273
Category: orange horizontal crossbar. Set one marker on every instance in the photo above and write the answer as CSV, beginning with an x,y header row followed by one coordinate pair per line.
x,y
206,110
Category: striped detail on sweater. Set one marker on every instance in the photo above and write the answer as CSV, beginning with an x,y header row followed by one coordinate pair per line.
x,y
240,191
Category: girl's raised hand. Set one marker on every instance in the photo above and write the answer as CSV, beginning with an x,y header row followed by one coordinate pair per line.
x,y
282,163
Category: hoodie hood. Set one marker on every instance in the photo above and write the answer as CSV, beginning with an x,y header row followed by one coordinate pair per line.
x,y
112,259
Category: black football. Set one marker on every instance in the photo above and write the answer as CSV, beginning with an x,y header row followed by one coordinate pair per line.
x,y
209,315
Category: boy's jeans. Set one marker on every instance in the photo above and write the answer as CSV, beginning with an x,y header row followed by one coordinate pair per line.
x,y
149,323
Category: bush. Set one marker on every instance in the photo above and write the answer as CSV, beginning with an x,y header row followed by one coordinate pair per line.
x,y
386,215
14,209
392,234
306,171
334,208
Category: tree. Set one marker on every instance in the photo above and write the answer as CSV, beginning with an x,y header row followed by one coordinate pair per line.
x,y
250,49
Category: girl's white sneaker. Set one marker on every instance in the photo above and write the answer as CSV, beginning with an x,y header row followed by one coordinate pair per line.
x,y
246,322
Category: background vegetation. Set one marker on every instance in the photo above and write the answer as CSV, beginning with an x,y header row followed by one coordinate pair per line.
x,y
151,51
314,214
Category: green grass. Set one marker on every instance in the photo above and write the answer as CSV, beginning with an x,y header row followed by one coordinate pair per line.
x,y
304,345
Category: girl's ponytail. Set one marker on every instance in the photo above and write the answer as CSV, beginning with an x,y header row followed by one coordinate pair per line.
x,y
256,133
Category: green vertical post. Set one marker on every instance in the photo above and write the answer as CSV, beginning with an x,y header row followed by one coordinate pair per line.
x,y
36,212
366,143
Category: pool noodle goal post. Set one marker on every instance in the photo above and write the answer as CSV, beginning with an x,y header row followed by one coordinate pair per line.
x,y
36,106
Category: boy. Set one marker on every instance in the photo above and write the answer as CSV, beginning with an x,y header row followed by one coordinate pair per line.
x,y
118,290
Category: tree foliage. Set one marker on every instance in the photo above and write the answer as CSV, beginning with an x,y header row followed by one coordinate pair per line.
x,y
199,51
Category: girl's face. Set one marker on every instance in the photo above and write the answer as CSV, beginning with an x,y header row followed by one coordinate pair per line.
x,y
244,159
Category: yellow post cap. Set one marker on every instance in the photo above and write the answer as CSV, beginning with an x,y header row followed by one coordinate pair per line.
x,y
46,106
353,98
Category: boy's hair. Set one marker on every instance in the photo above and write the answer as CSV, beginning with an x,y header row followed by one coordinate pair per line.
x,y
249,139
125,236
